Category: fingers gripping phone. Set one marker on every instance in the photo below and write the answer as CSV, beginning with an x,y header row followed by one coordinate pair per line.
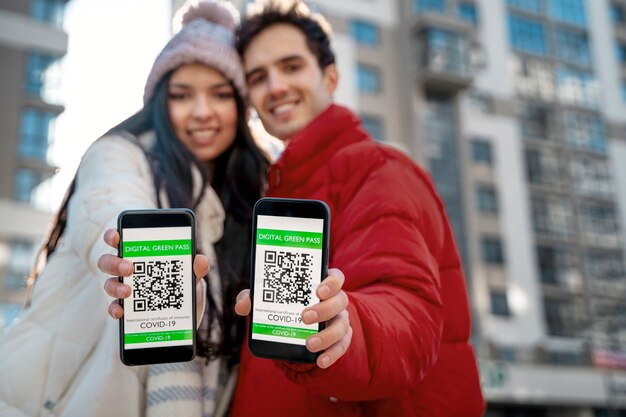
x,y
159,319
289,260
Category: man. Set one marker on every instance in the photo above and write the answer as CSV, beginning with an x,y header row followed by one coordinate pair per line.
x,y
409,353
400,347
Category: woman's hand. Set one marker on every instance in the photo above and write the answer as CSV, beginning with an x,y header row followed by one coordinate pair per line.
x,y
112,265
335,339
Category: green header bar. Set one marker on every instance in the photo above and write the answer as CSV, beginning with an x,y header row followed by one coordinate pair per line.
x,y
151,337
283,331
156,248
289,238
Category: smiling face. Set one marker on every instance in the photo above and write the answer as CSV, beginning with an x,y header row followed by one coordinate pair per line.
x,y
286,86
202,108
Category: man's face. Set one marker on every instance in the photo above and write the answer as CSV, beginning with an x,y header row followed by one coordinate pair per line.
x,y
286,85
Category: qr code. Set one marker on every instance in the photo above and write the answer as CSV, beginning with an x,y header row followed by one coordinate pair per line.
x,y
287,277
158,285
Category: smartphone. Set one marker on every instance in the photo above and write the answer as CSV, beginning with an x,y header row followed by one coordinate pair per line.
x,y
159,322
289,260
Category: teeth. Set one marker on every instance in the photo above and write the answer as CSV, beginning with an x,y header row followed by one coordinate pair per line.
x,y
204,134
283,108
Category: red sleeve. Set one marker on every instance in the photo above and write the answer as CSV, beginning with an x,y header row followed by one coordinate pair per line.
x,y
386,237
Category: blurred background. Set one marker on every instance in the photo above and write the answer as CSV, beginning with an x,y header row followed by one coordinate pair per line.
x,y
516,107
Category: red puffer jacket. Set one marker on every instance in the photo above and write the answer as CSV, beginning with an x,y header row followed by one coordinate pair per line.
x,y
410,354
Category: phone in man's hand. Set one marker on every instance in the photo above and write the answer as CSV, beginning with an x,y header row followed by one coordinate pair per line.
x,y
159,322
289,260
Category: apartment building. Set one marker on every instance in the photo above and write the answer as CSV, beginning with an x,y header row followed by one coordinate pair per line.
x,y
32,42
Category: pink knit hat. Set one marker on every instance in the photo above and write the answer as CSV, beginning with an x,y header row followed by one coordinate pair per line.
x,y
207,37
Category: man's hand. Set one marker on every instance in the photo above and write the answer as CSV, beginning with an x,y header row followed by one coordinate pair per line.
x,y
112,265
335,339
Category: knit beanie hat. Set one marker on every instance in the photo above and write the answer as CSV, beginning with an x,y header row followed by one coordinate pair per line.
x,y
206,36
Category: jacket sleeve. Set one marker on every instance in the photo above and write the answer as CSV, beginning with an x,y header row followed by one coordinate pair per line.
x,y
387,235
113,176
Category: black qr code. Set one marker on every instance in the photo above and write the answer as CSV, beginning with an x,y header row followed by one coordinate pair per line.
x,y
158,285
287,277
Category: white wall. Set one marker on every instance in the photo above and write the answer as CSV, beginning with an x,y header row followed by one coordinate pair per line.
x,y
525,326
345,53
494,38
603,50
383,12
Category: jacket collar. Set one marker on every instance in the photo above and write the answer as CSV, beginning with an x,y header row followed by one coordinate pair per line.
x,y
333,129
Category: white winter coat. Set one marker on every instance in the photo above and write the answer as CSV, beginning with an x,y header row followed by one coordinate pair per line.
x,y
61,357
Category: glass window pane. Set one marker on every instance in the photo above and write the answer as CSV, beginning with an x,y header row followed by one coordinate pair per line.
x,y
368,79
26,181
499,303
584,130
570,11
617,13
468,12
535,6
572,46
486,199
429,5
492,251
481,151
35,133
577,87
527,35
374,126
365,33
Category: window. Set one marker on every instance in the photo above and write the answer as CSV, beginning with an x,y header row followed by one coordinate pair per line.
x,y
591,177
533,78
368,79
557,266
552,216
374,126
446,50
19,266
565,317
584,130
527,35
570,11
365,33
487,199
620,52
535,6
605,265
542,167
429,5
492,250
468,12
481,151
48,11
42,73
599,225
35,133
499,303
566,358
26,181
536,122
577,87
572,46
617,13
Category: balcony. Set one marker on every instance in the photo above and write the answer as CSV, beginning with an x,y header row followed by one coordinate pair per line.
x,y
446,53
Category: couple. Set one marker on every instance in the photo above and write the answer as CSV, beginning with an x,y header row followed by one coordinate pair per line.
x,y
397,339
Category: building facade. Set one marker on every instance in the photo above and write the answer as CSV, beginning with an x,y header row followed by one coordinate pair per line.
x,y
32,43
518,110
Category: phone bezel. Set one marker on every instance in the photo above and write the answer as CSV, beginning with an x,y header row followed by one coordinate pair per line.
x,y
291,208
130,219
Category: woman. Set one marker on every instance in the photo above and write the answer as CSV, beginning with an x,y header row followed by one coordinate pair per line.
x,y
188,147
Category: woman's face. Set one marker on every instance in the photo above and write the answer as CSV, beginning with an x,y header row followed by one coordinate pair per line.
x,y
202,109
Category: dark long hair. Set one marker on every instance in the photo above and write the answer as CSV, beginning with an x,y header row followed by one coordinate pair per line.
x,y
238,177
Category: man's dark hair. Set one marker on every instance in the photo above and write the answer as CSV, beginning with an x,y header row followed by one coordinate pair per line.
x,y
315,28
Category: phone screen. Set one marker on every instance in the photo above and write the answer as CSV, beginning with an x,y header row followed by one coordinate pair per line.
x,y
288,270
159,311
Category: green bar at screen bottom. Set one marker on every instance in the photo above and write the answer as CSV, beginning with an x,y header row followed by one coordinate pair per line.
x,y
151,337
284,331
